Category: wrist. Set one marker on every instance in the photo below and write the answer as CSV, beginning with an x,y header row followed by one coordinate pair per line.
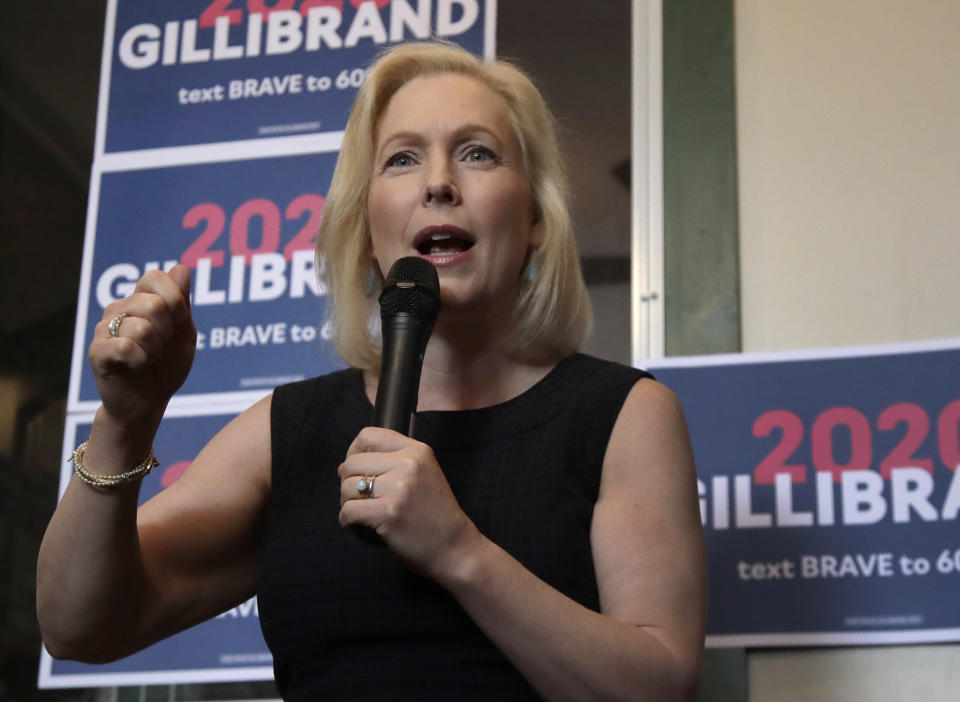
x,y
112,481
134,425
117,444
467,561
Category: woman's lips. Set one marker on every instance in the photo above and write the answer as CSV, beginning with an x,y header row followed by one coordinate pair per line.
x,y
451,258
443,244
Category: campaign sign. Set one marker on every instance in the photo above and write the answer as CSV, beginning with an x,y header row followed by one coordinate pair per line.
x,y
226,648
183,72
829,491
247,229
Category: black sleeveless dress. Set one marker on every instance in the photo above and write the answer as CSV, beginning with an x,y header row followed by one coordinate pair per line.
x,y
343,617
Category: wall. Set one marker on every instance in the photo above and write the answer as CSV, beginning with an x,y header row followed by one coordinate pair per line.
x,y
849,171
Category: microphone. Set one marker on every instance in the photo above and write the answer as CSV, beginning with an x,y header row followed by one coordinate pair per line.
x,y
409,305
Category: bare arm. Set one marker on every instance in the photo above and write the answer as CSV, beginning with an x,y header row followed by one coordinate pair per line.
x,y
112,579
648,553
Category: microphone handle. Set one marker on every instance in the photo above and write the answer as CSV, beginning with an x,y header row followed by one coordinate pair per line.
x,y
404,343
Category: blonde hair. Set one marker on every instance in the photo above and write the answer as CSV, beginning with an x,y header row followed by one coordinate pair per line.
x,y
552,314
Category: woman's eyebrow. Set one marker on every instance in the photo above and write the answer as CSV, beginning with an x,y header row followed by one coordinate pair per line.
x,y
417,139
469,130
406,137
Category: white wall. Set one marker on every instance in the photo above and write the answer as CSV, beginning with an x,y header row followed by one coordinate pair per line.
x,y
849,159
849,164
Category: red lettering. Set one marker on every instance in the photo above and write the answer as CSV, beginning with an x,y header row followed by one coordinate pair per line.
x,y
861,450
776,461
918,426
240,228
215,218
307,4
259,7
380,3
948,435
218,8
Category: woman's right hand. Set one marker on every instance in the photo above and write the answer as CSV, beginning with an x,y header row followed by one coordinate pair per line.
x,y
138,370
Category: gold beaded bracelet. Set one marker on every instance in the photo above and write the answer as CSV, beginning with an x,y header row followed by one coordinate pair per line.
x,y
111,481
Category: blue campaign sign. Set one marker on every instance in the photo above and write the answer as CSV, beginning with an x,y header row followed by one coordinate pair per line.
x,y
248,229
183,72
829,490
257,93
228,647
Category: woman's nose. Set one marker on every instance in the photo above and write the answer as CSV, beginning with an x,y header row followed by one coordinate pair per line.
x,y
441,187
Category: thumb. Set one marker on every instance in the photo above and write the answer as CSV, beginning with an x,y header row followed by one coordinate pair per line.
x,y
181,276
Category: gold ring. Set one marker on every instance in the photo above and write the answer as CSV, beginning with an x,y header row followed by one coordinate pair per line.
x,y
115,325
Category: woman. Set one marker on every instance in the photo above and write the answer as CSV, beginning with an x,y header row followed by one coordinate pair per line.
x,y
539,531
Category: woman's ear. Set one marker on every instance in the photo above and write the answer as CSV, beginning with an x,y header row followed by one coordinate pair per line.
x,y
536,228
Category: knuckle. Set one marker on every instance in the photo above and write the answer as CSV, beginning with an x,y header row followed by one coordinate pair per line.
x,y
423,452
147,332
393,511
344,470
154,304
94,352
402,490
122,350
121,353
152,277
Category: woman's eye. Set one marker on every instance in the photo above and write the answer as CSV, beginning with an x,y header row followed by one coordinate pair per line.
x,y
480,154
400,160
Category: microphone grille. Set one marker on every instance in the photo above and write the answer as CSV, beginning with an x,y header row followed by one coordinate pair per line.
x,y
411,287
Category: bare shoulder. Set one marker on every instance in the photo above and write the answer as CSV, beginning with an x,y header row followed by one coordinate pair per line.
x,y
650,421
649,461
646,533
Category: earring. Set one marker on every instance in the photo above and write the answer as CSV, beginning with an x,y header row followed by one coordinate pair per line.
x,y
370,286
530,272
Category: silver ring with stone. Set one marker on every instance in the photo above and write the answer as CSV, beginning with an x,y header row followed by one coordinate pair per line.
x,y
365,486
115,325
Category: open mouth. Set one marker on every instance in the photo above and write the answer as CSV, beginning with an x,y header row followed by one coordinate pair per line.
x,y
442,241
440,244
